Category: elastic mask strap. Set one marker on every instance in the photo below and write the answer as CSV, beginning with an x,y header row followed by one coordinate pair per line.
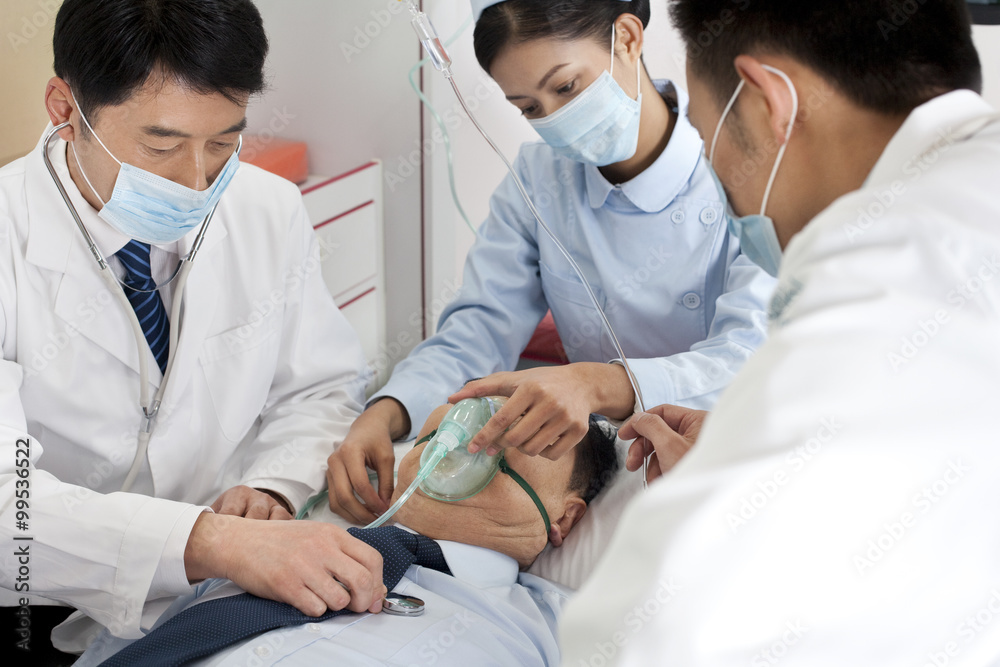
x,y
426,438
507,470
638,65
84,173
91,128
788,133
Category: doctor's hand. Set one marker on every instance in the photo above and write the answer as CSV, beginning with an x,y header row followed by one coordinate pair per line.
x,y
252,504
665,434
297,562
367,445
549,409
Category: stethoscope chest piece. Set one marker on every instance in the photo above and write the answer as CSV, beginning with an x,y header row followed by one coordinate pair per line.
x,y
395,604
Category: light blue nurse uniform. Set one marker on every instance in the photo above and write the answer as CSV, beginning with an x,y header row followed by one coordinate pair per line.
x,y
688,307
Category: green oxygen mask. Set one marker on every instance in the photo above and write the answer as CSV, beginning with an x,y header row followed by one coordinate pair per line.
x,y
448,472
460,475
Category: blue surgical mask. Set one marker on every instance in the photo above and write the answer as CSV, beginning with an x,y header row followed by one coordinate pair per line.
x,y
153,209
756,233
601,125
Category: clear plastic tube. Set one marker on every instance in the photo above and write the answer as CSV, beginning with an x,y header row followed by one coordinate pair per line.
x,y
440,451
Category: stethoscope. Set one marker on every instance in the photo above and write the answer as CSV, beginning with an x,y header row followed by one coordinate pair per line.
x,y
150,408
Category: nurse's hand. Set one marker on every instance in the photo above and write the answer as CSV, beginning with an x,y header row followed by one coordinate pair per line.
x,y
297,562
252,504
554,405
665,434
367,445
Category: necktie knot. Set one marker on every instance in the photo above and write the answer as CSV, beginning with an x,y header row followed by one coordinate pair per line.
x,y
134,257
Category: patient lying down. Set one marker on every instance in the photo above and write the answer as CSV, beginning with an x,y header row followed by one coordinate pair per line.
x,y
485,612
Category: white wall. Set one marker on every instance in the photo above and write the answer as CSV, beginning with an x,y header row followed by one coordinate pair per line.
x,y
987,39
338,76
26,57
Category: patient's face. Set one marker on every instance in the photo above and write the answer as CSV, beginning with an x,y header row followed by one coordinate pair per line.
x,y
502,516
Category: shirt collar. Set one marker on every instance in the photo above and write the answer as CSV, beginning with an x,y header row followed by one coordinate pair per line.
x,y
654,189
935,125
479,566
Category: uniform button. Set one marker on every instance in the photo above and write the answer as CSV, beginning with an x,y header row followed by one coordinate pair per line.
x,y
709,216
312,627
677,217
263,651
691,301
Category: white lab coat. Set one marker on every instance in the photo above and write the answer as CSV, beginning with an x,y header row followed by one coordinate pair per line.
x,y
842,506
268,378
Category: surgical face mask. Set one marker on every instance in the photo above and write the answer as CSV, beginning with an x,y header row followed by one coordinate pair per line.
x,y
461,475
756,233
153,209
601,125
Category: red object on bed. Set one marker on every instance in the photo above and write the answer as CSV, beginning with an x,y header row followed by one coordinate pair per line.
x,y
545,345
288,159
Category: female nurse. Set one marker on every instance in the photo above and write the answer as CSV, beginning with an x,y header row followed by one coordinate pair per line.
x,y
621,179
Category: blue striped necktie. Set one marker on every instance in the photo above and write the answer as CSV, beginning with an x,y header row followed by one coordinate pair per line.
x,y
145,299
200,631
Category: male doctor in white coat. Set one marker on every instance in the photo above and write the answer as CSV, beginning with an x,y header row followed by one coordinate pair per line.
x,y
842,503
267,375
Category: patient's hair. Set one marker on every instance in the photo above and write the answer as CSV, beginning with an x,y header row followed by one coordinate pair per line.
x,y
519,21
888,56
596,460
107,49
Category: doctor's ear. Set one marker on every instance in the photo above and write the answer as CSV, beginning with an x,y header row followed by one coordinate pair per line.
x,y
60,106
772,90
629,38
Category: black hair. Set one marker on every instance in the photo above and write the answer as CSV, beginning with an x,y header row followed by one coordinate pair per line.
x,y
596,460
519,21
889,56
107,49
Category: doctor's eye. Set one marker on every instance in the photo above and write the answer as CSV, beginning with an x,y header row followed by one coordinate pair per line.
x,y
159,152
533,109
567,89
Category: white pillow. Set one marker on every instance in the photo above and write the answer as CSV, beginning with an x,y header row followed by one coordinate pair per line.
x,y
571,564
